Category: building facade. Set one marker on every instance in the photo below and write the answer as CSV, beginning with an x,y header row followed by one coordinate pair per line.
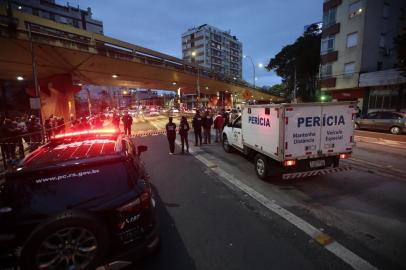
x,y
70,15
213,48
358,44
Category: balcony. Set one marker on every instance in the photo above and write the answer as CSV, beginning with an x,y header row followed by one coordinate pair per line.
x,y
331,30
331,4
328,82
329,57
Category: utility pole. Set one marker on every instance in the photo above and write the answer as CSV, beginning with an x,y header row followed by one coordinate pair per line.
x,y
89,104
35,77
294,86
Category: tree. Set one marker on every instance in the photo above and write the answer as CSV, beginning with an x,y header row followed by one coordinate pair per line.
x,y
400,47
303,58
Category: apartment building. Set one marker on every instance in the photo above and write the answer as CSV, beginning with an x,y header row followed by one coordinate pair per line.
x,y
70,15
358,59
213,48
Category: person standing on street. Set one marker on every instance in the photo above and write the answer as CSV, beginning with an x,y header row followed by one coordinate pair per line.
x,y
197,128
115,120
218,126
208,122
127,121
171,135
183,132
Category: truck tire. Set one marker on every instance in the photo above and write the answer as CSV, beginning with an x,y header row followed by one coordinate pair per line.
x,y
261,166
226,146
68,241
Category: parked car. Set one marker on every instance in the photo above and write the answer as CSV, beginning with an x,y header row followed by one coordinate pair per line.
x,y
77,200
394,122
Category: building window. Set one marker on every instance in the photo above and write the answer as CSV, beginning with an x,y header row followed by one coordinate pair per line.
x,y
35,12
382,39
402,14
327,44
352,40
326,70
349,68
355,9
385,10
63,20
329,17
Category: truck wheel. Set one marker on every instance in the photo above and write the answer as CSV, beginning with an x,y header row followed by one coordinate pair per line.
x,y
68,241
261,166
226,145
395,130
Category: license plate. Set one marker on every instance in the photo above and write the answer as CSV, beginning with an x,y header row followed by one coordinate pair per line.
x,y
317,163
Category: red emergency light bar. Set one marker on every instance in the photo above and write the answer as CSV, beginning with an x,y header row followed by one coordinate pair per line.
x,y
105,131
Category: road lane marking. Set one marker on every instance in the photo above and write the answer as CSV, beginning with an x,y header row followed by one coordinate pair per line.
x,y
320,237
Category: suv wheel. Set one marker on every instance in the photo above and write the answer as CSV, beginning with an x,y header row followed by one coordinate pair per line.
x,y
69,241
395,130
226,145
261,166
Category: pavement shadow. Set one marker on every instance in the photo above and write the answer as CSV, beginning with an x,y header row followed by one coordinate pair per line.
x,y
172,253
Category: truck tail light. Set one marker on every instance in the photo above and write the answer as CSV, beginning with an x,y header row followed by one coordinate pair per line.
x,y
344,156
289,163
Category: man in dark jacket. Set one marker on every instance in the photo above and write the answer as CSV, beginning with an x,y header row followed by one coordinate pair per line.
x,y
207,123
116,121
197,127
127,121
171,135
183,132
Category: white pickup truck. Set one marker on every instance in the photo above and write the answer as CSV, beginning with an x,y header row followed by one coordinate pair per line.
x,y
293,140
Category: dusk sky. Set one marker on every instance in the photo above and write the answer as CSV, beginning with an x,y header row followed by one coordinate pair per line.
x,y
263,26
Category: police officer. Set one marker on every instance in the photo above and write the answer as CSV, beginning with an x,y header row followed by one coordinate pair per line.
x,y
127,121
207,123
197,127
116,121
171,135
183,132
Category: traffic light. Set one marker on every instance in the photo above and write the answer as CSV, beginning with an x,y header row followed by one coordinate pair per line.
x,y
323,98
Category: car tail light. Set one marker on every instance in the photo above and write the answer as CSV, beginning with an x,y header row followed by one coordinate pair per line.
x,y
143,202
344,156
289,163
131,207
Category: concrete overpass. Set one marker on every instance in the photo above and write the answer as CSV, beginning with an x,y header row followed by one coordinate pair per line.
x,y
82,57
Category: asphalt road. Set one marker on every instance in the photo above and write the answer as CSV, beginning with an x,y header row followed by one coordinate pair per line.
x,y
207,225
362,209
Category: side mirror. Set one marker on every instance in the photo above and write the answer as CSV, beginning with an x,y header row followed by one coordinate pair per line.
x,y
229,125
141,148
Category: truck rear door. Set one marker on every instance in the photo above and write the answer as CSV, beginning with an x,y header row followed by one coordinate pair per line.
x,y
337,129
302,131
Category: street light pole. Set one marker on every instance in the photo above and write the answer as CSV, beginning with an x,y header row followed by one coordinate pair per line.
x,y
253,67
294,86
197,81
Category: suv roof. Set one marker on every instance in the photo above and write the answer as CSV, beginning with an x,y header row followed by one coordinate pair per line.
x,y
76,146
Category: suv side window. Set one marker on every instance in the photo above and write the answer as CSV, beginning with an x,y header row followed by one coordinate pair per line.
x,y
237,122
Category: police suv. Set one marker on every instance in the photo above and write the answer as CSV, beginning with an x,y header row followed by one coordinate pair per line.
x,y
293,140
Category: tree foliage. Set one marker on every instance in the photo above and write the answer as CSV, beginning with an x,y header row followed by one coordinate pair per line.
x,y
400,46
304,57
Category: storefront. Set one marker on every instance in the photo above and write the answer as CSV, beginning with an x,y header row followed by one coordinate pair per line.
x,y
385,90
